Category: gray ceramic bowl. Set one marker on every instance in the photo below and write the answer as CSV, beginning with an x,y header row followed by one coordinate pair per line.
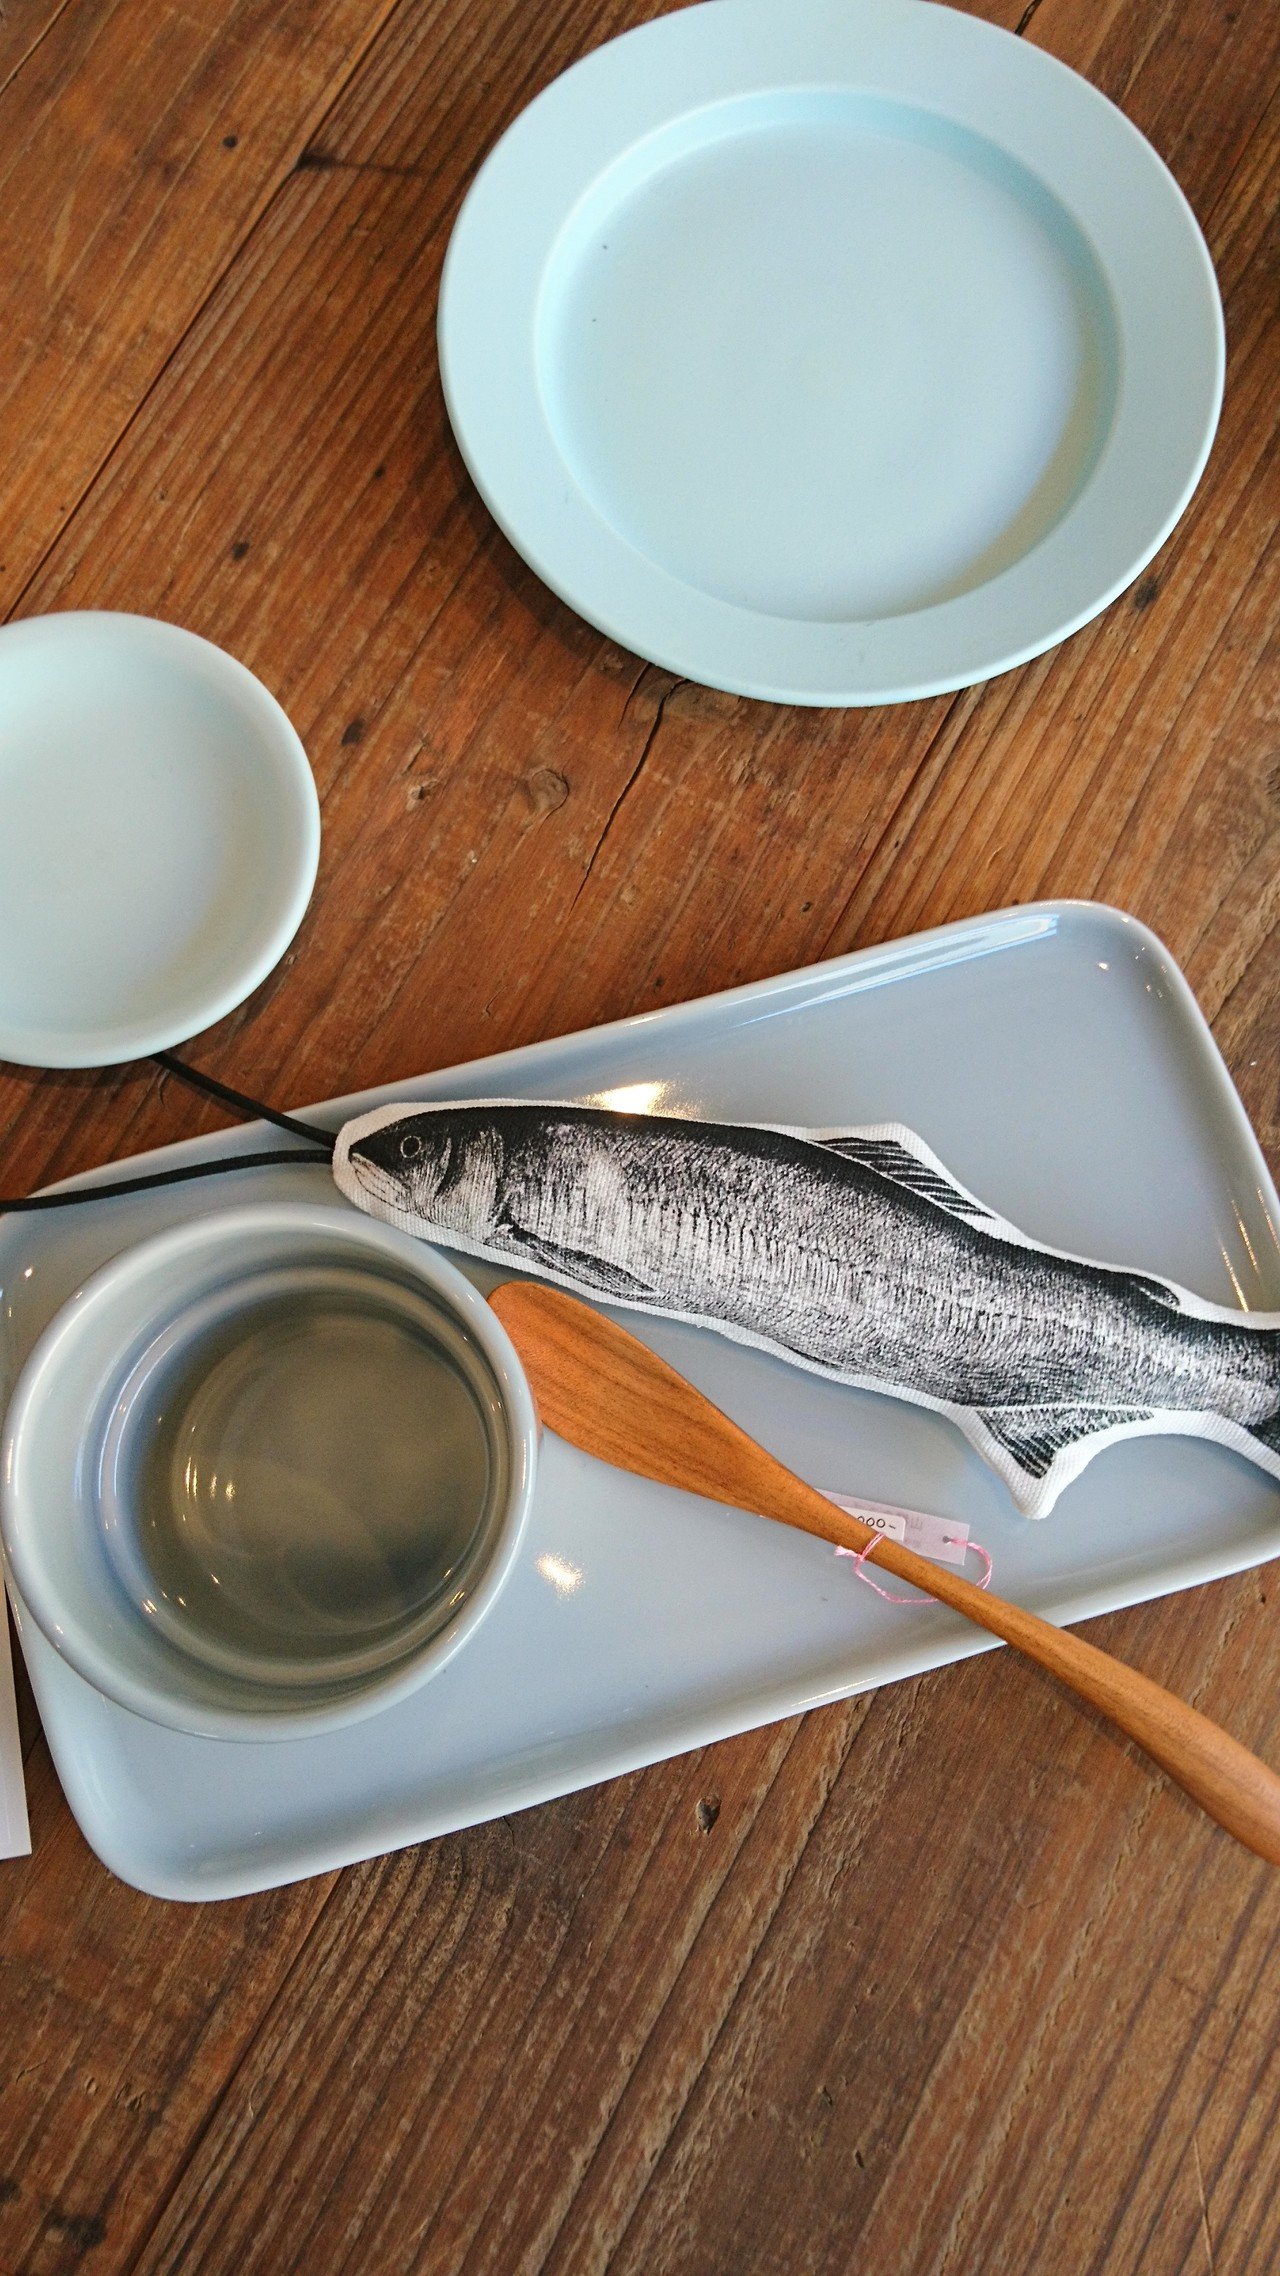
x,y
82,1400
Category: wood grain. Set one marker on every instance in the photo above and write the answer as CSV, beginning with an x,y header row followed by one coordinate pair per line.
x,y
137,148
931,1982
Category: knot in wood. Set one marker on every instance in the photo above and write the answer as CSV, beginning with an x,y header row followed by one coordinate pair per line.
x,y
546,789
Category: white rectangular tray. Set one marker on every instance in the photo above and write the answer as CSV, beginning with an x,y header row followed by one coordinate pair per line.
x,y
1056,1060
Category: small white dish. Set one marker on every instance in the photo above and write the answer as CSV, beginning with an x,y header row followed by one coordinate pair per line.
x,y
99,1376
159,836
830,354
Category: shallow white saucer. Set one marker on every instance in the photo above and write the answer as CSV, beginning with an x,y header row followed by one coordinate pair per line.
x,y
829,353
159,835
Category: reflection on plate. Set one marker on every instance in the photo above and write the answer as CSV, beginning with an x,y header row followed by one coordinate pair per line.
x,y
830,354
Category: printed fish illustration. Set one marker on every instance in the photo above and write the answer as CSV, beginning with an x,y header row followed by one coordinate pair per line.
x,y
854,1253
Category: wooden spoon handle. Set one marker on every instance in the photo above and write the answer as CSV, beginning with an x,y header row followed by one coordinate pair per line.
x,y
606,1392
1229,1783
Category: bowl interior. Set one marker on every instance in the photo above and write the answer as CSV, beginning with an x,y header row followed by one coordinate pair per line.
x,y
266,1471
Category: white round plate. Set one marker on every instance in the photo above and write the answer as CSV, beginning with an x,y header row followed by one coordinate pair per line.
x,y
830,353
159,835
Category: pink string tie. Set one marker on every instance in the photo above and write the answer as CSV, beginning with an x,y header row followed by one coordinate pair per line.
x,y
949,1540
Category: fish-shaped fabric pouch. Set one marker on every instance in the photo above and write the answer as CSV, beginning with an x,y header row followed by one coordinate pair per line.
x,y
852,1252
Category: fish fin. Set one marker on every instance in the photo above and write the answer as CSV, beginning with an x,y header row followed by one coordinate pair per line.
x,y
1157,1291
1036,1436
590,1271
891,1159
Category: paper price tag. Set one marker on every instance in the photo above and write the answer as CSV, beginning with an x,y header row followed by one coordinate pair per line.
x,y
942,1538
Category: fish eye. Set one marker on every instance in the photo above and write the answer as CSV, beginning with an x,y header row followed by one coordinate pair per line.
x,y
410,1146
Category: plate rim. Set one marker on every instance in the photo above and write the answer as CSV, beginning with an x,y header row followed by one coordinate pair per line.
x,y
510,451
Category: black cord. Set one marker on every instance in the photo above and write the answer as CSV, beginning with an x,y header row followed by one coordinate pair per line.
x,y
121,1186
241,1104
240,1100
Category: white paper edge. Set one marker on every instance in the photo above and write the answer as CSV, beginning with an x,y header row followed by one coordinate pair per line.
x,y
15,1828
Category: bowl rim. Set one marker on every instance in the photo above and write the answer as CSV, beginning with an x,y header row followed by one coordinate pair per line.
x,y
22,1520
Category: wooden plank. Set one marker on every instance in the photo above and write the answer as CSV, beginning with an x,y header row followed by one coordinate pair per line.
x,y
138,145
120,2019
22,27
1084,1955
549,1946
938,1980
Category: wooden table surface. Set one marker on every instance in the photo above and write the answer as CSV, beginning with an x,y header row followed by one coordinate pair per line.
x,y
943,1979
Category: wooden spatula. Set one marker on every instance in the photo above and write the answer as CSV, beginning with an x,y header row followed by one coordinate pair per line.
x,y
608,1393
